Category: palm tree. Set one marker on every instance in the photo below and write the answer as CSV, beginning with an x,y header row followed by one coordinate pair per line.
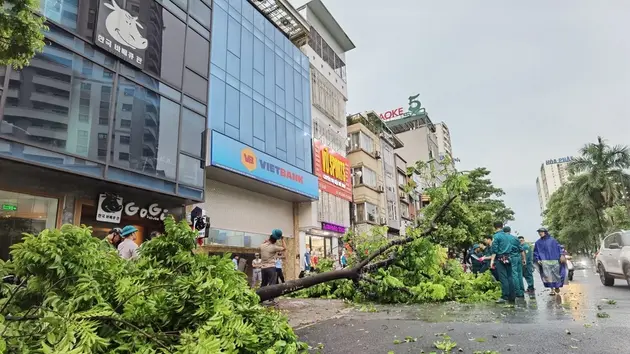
x,y
600,175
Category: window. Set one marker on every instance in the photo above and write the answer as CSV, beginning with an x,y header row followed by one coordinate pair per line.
x,y
402,179
102,136
404,211
128,92
191,171
24,213
50,117
392,210
368,176
193,127
125,139
169,63
123,156
197,52
103,121
360,140
154,124
126,107
325,52
366,212
195,86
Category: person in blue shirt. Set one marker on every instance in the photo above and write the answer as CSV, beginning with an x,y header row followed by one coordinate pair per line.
x,y
501,252
517,258
476,259
528,268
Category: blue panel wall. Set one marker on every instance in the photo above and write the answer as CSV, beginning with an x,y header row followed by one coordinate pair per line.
x,y
259,86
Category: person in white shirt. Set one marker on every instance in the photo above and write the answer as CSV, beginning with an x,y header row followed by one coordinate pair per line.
x,y
280,276
128,249
257,271
235,261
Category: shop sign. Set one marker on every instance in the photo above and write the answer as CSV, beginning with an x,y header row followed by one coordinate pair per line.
x,y
237,157
120,33
9,207
559,160
415,108
153,212
333,171
334,228
109,208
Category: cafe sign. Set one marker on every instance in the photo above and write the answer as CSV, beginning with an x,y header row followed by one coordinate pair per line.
x,y
120,33
333,171
152,212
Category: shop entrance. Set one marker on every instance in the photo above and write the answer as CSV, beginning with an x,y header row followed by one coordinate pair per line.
x,y
24,213
100,229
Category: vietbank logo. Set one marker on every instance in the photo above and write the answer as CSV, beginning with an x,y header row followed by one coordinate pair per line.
x,y
251,162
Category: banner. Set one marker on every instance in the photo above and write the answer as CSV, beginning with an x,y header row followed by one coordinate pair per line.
x,y
333,171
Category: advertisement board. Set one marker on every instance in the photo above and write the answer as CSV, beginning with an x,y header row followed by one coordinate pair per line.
x,y
237,157
332,170
120,33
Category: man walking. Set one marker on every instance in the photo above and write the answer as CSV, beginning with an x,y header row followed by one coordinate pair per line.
x,y
528,268
501,252
551,262
517,258
257,270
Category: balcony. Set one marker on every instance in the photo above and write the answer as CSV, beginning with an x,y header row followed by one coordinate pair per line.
x,y
46,81
286,18
36,114
48,133
50,99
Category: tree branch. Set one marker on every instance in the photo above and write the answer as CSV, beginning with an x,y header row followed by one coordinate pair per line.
x,y
354,273
374,282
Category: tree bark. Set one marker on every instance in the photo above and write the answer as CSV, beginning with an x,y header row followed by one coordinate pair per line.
x,y
355,273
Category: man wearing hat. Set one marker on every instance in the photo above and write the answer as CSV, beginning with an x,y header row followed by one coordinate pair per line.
x,y
268,251
128,249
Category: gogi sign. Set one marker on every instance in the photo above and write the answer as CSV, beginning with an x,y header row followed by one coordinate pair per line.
x,y
119,33
153,212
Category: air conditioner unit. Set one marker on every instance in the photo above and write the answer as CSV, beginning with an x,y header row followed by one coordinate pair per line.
x,y
380,188
383,220
377,154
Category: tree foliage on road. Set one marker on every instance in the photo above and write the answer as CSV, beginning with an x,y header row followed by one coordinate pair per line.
x,y
77,296
21,32
595,199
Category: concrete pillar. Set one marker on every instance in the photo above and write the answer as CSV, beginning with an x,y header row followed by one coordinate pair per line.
x,y
292,264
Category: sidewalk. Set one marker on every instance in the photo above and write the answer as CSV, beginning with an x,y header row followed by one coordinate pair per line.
x,y
305,312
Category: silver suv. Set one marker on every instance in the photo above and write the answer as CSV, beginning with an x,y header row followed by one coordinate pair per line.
x,y
613,258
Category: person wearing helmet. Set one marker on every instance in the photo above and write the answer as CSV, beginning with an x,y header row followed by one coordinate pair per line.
x,y
113,238
268,251
128,249
550,260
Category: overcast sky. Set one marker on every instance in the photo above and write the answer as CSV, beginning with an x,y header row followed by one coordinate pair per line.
x,y
517,82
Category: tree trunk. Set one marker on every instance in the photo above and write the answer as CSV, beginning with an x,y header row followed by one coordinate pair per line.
x,y
274,291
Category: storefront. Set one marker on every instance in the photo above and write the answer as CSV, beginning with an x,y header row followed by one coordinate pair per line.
x,y
29,213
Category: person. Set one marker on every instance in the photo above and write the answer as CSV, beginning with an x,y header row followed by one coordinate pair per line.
x,y
242,265
154,234
500,259
487,255
235,261
256,275
268,251
528,268
551,263
280,275
113,238
517,258
128,249
476,259
307,259
344,259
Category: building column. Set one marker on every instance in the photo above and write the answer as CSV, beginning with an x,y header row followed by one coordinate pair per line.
x,y
293,245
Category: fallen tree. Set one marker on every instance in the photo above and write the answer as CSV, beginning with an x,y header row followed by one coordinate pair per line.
x,y
356,273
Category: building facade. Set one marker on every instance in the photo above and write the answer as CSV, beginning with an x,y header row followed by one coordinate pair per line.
x,y
106,126
443,137
260,147
323,223
553,174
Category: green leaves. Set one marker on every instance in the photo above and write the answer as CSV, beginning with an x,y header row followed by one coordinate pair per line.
x,y
21,32
80,297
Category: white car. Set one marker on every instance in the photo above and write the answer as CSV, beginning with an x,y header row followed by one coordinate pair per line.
x,y
613,258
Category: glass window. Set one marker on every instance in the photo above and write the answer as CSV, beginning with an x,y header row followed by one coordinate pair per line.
x,y
392,210
152,124
168,61
193,126
55,99
366,212
24,213
67,14
366,142
195,86
402,179
200,12
366,176
197,52
191,171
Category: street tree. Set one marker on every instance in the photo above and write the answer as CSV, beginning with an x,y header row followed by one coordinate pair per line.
x,y
21,32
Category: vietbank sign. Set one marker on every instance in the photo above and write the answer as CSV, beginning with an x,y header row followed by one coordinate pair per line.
x,y
237,157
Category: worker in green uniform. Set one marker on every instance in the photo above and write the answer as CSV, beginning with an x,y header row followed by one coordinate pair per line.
x,y
500,259
476,259
528,268
517,258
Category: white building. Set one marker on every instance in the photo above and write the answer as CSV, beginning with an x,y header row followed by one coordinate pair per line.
x,y
323,222
443,136
553,174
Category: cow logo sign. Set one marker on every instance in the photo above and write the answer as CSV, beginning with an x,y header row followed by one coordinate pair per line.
x,y
119,32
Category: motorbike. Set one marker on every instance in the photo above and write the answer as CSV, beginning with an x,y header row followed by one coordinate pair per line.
x,y
570,268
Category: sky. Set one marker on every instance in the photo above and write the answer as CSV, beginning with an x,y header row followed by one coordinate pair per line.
x,y
516,82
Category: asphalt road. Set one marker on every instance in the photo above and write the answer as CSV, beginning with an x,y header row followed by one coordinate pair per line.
x,y
574,322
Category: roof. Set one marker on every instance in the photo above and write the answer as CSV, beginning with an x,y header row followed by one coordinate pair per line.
x,y
333,27
285,17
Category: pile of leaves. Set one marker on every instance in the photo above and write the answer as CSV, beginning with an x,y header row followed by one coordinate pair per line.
x,y
75,295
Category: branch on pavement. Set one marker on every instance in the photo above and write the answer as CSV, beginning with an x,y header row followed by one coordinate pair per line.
x,y
355,273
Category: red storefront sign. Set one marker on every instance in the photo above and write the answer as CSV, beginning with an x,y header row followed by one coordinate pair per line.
x,y
333,171
394,113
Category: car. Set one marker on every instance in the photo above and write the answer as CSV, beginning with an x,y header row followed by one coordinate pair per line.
x,y
613,258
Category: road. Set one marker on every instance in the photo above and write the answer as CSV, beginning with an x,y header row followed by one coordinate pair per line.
x,y
574,322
